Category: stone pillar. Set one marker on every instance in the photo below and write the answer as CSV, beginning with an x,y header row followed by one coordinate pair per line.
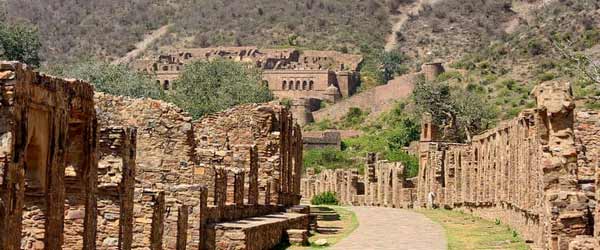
x,y
182,226
203,218
565,204
238,193
268,193
253,177
220,187
158,215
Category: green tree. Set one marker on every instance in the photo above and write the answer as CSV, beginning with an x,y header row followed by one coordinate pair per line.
x,y
208,87
20,42
112,79
393,64
460,112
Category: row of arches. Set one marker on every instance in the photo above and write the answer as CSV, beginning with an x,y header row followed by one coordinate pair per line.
x,y
297,85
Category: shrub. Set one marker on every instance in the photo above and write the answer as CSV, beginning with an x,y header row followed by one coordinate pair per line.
x,y
208,87
326,198
112,79
19,43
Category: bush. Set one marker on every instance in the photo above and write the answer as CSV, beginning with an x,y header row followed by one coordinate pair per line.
x,y
19,43
208,87
112,79
326,198
327,157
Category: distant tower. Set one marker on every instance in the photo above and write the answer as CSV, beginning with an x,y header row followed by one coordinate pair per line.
x,y
301,111
428,128
432,70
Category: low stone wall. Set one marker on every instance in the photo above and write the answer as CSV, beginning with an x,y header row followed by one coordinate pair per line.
x,y
256,234
383,184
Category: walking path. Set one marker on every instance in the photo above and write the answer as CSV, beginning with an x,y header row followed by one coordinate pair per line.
x,y
141,46
393,229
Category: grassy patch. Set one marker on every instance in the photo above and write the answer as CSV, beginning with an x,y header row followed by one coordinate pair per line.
x,y
465,231
335,223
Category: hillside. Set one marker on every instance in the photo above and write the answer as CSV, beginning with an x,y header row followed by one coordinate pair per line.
x,y
506,47
108,29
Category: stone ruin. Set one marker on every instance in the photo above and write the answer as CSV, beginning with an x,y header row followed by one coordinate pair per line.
x,y
536,173
85,170
307,77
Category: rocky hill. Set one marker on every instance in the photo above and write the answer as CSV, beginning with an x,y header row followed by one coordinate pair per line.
x,y
505,47
110,28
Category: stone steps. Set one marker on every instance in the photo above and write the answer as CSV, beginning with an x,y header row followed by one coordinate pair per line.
x,y
263,232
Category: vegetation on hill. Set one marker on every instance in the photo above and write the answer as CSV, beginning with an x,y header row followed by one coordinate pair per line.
x,y
110,28
112,79
504,48
208,87
19,43
73,29
203,88
388,136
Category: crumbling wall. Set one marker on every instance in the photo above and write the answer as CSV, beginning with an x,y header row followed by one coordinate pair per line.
x,y
383,184
523,172
164,164
116,181
224,139
48,131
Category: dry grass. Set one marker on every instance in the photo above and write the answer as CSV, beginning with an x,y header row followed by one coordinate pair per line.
x,y
465,232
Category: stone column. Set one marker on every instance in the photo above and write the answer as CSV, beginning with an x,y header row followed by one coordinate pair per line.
x,y
157,229
565,204
182,226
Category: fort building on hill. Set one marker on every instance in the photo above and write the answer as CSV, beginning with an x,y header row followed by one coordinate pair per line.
x,y
289,73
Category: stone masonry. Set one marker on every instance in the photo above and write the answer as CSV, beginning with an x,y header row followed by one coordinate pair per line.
x,y
535,173
48,169
85,171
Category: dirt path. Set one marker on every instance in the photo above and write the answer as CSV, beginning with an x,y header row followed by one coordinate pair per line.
x,y
393,229
143,45
400,19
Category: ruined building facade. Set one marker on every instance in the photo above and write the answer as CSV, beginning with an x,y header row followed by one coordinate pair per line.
x,y
306,78
534,173
94,171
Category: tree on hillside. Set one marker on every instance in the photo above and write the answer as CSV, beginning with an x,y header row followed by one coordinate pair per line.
x,y
19,43
208,87
393,64
460,113
112,79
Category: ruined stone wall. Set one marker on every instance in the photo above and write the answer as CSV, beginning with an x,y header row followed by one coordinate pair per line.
x,y
383,184
524,173
116,182
164,165
270,130
48,167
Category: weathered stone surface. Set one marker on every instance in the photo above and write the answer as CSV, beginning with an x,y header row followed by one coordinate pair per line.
x,y
534,173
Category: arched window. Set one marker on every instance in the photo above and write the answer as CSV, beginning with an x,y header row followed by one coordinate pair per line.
x,y
166,85
297,85
283,85
311,85
304,85
291,85
165,68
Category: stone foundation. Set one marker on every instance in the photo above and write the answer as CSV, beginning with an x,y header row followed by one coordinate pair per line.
x,y
257,233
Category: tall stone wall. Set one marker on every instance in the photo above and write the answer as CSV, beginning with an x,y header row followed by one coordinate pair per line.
x,y
48,167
